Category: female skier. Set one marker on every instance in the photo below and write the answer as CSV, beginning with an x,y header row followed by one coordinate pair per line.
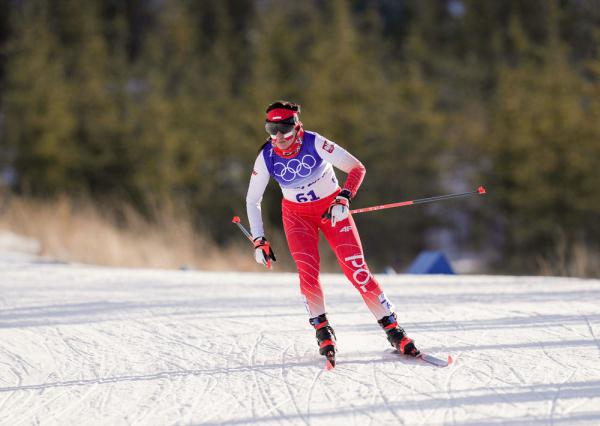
x,y
302,164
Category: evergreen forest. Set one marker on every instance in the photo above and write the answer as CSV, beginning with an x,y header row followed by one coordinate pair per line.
x,y
142,103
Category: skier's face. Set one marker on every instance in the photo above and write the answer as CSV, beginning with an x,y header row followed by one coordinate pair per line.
x,y
282,132
284,141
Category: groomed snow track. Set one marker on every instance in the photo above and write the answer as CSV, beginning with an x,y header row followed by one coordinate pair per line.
x,y
86,345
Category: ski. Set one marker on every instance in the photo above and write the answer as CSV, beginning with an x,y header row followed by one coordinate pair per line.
x,y
430,359
330,360
435,360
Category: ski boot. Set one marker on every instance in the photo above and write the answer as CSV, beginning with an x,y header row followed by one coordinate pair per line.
x,y
325,338
397,336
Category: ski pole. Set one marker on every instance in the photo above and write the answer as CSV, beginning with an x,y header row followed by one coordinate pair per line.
x,y
236,220
478,191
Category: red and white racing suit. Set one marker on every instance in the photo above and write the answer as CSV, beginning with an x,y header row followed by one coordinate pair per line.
x,y
309,185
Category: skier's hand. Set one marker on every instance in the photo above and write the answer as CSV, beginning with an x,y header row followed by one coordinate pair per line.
x,y
339,209
263,253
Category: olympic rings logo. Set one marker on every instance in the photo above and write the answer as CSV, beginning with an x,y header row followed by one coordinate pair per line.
x,y
294,168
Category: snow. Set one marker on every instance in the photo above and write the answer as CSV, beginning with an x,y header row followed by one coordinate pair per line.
x,y
88,345
17,247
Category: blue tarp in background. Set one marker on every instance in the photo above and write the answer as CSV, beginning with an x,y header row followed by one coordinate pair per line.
x,y
430,262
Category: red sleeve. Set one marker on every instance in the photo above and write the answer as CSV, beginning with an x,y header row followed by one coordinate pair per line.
x,y
355,178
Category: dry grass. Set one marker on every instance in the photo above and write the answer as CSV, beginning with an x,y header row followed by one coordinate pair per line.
x,y
576,259
87,233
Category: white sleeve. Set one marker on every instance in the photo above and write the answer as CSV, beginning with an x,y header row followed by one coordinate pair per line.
x,y
256,189
335,154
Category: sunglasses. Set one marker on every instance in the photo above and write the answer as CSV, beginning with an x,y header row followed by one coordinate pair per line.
x,y
280,126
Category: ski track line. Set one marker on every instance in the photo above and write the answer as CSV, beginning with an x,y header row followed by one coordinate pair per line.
x,y
110,388
19,402
183,342
20,362
591,330
174,405
152,404
561,364
340,372
239,400
198,348
267,400
448,387
346,400
105,396
425,415
8,368
477,371
72,343
152,328
73,404
275,407
412,366
310,392
31,413
163,393
273,404
220,409
556,396
252,361
495,389
384,398
348,375
158,408
450,408
38,408
210,385
208,389
402,379
374,395
517,375
284,377
87,393
178,402
68,342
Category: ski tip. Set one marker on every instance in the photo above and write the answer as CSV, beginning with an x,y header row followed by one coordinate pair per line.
x,y
236,219
330,360
439,362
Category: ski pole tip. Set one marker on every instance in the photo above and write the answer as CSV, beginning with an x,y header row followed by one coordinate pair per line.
x,y
481,190
236,219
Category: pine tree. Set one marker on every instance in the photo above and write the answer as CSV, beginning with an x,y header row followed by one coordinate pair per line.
x,y
539,137
39,125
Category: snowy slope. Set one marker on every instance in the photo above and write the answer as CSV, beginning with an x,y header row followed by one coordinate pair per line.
x,y
85,345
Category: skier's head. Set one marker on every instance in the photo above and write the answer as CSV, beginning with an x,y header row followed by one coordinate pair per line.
x,y
284,127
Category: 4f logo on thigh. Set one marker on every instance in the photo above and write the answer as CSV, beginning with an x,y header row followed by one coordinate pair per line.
x,y
346,229
358,261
